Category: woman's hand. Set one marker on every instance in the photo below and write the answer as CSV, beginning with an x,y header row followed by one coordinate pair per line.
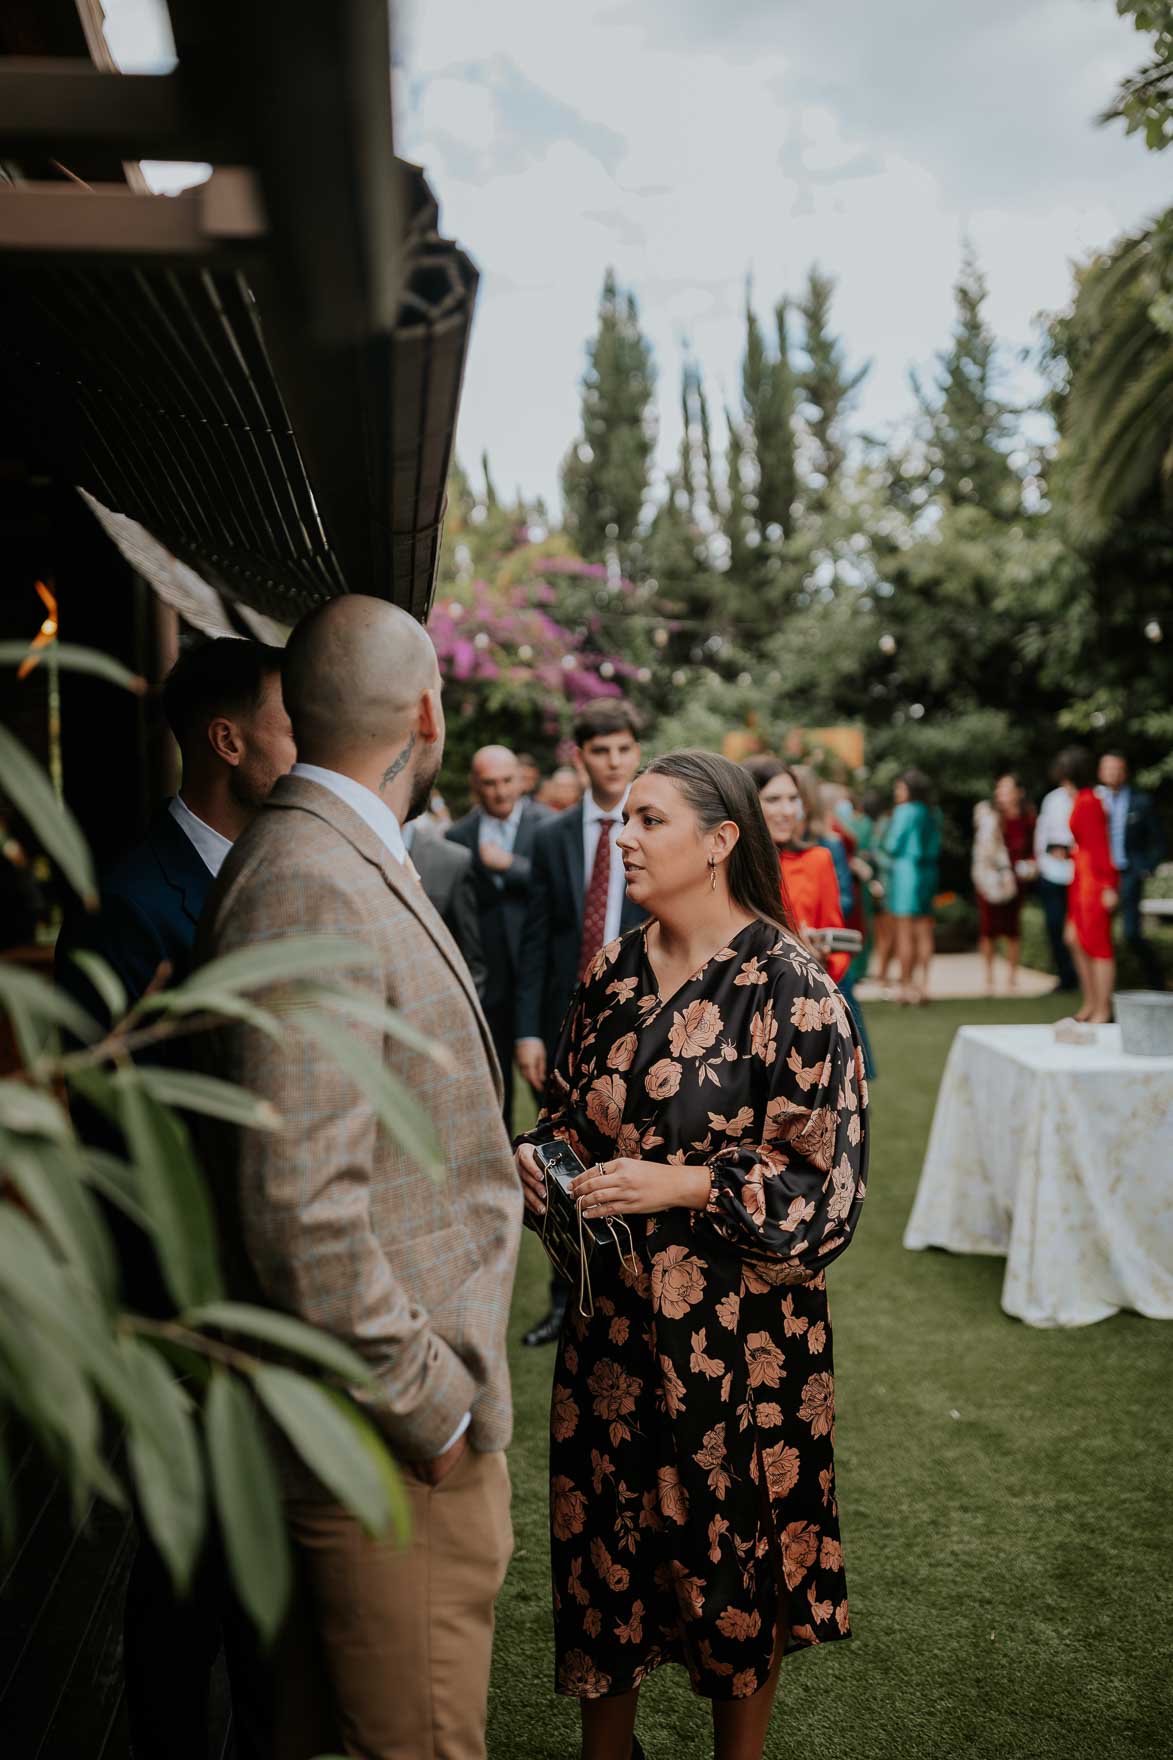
x,y
625,1187
533,1180
1110,898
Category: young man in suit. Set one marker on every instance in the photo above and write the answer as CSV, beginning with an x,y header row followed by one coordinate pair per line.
x,y
446,875
222,701
386,1651
1138,848
577,903
499,832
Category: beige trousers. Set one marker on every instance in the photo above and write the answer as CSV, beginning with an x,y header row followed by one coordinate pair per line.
x,y
386,1652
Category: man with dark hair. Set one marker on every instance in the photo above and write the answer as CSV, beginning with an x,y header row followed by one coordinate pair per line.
x,y
577,903
499,832
223,703
1138,847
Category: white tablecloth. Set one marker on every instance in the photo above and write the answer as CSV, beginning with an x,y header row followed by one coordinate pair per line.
x,y
1061,1157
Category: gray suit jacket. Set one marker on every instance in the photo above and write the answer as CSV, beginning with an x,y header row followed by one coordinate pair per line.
x,y
447,875
336,1221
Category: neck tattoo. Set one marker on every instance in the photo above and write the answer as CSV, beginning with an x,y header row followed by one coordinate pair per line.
x,y
399,764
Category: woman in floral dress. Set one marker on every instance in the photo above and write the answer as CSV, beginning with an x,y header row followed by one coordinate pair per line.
x,y
710,1080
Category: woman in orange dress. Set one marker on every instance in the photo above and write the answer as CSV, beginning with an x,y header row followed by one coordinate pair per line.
x,y
809,883
1093,894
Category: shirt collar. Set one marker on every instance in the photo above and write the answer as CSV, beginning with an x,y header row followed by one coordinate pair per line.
x,y
594,812
366,803
210,845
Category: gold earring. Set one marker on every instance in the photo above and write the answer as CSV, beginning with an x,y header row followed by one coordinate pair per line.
x,y
712,873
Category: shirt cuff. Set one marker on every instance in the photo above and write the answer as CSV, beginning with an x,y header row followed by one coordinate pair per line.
x,y
457,1433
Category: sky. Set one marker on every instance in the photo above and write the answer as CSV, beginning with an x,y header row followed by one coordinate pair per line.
x,y
692,143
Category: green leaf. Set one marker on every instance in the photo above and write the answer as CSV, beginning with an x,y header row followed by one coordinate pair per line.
x,y
288,1334
327,1433
278,962
74,659
208,1095
399,1111
362,1006
104,979
97,1087
247,1495
115,1180
165,1460
45,1001
217,1002
53,826
171,1191
49,1184
46,1384
32,1112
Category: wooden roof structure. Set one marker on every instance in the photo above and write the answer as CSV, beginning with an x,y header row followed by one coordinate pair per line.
x,y
265,370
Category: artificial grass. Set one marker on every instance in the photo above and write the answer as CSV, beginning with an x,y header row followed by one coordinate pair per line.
x,y
1005,1499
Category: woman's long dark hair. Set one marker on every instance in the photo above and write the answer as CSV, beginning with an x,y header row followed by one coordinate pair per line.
x,y
716,790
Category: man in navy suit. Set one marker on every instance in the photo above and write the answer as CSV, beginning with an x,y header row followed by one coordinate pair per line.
x,y
577,903
1138,847
223,703
500,832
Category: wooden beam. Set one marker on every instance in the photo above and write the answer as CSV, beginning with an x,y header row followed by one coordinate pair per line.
x,y
54,105
62,219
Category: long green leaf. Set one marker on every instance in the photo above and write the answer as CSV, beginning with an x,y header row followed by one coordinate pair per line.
x,y
53,826
97,1087
165,1460
172,1193
49,1185
360,1005
278,962
31,1111
104,979
217,1002
288,1334
115,1180
74,659
46,1001
327,1434
248,1501
52,1393
209,1095
399,1111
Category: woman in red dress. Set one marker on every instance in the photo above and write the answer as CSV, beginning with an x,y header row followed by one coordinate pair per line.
x,y
1093,894
809,883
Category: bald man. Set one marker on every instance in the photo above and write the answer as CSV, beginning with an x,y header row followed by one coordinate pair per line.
x,y
500,832
387,1648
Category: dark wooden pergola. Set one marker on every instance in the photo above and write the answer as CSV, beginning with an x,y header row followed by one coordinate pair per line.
x,y
265,370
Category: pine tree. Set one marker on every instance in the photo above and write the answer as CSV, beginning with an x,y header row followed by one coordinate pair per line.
x,y
605,474
969,425
768,397
826,388
737,521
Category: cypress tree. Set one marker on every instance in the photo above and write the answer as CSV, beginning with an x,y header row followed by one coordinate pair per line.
x,y
768,397
605,474
737,520
969,426
826,387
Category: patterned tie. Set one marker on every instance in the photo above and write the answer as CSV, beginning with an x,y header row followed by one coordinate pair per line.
x,y
594,916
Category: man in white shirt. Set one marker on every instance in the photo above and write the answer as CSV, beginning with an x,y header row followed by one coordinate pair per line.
x,y
222,700
1053,845
577,903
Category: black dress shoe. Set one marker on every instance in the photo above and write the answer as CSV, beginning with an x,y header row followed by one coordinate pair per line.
x,y
637,1752
546,1331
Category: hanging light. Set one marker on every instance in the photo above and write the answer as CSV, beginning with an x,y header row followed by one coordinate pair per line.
x,y
480,640
525,652
606,670
680,677
887,644
569,662
660,637
1153,630
644,675
744,679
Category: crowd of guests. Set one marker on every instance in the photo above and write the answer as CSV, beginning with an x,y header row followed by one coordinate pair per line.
x,y
1088,852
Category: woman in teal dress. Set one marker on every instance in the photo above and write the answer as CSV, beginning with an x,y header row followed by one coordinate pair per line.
x,y
912,850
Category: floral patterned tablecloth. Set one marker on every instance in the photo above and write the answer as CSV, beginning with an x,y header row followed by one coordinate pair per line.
x,y
1061,1157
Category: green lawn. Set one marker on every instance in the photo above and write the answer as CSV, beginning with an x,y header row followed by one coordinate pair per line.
x,y
1005,1496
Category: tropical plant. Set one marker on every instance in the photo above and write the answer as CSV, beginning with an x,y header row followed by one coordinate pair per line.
x,y
190,1391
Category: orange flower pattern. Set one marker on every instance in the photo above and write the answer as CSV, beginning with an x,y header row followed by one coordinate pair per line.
x,y
692,1491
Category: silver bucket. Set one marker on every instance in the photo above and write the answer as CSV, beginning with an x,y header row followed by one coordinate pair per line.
x,y
1146,1022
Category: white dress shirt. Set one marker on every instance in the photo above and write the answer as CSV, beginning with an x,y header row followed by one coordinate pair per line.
x,y
382,821
1054,826
592,818
211,846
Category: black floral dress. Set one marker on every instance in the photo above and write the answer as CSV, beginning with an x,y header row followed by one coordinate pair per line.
x,y
692,1487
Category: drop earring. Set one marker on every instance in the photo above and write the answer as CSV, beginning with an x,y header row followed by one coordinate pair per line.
x,y
712,873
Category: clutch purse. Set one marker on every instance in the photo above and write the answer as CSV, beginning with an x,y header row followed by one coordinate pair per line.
x,y
570,1239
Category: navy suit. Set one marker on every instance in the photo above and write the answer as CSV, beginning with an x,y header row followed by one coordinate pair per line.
x,y
502,900
552,939
1144,849
151,903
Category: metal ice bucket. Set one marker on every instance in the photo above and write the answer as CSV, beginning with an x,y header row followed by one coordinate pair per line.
x,y
1146,1022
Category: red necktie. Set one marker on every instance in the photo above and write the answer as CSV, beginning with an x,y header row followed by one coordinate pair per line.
x,y
594,916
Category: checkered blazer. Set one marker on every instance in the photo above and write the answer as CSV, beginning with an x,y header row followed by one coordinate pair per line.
x,y
330,1219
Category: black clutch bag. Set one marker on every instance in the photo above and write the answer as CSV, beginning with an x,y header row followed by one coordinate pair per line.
x,y
570,1239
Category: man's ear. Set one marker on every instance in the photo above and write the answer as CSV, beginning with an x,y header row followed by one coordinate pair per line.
x,y
431,720
224,739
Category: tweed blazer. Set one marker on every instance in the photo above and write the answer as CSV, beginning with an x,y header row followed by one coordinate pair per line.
x,y
334,1221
